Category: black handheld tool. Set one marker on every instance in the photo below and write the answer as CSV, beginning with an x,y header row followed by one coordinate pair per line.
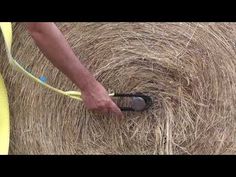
x,y
139,101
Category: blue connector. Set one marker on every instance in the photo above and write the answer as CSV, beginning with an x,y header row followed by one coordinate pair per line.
x,y
43,79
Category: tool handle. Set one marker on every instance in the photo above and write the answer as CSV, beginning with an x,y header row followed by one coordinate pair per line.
x,y
129,95
126,109
146,98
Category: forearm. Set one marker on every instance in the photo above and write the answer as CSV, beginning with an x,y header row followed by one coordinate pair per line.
x,y
55,47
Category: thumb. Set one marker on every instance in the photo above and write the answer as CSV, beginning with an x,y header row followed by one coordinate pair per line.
x,y
115,109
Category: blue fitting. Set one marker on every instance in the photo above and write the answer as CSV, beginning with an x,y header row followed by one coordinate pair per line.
x,y
43,79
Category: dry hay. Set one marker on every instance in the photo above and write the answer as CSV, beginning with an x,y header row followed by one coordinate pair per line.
x,y
188,68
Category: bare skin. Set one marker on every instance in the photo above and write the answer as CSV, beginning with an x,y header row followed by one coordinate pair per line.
x,y
54,46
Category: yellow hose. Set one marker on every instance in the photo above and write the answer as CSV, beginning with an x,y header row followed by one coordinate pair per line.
x,y
6,28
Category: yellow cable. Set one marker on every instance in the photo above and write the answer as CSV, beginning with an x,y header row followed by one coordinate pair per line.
x,y
6,28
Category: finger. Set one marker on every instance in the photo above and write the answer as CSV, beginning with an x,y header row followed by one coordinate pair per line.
x,y
115,109
100,110
103,110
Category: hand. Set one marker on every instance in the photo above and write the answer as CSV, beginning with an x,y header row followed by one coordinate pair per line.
x,y
96,98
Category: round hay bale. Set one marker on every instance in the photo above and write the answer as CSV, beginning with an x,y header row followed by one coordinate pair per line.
x,y
189,69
